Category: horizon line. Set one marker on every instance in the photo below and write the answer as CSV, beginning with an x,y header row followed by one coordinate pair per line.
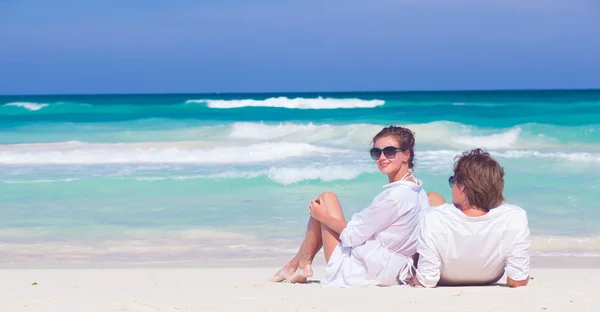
x,y
307,92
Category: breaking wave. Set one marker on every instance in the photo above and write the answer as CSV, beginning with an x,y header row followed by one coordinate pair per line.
x,y
295,103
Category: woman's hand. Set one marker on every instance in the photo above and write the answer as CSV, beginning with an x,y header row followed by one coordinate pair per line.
x,y
317,209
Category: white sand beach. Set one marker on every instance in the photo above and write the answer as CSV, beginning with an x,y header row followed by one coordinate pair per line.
x,y
247,289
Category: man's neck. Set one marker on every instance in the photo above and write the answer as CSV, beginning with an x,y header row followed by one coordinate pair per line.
x,y
474,212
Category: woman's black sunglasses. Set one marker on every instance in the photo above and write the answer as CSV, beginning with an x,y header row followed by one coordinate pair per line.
x,y
388,151
451,181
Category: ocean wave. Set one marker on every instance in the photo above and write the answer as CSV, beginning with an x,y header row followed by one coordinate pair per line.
x,y
445,156
261,131
284,175
27,105
40,181
475,104
157,152
507,139
358,135
440,133
292,175
230,153
576,157
295,103
288,175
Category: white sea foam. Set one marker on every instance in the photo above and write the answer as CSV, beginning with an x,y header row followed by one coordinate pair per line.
x,y
444,157
441,133
355,134
282,175
85,153
251,130
507,139
298,103
40,181
576,157
359,135
241,153
28,105
291,175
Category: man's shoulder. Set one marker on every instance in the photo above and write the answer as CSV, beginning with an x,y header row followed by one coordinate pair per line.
x,y
439,219
510,210
440,212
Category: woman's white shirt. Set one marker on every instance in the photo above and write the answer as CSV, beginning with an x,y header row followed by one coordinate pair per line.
x,y
378,242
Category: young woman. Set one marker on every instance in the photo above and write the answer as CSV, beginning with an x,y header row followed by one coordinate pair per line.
x,y
377,245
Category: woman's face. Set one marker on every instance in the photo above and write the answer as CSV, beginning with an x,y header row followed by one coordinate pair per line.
x,y
392,165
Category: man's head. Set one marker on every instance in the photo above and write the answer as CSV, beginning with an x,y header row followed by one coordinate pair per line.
x,y
478,181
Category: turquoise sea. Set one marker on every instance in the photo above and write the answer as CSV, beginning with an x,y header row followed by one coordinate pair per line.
x,y
194,177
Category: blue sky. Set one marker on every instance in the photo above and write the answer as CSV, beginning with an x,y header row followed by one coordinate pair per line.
x,y
152,46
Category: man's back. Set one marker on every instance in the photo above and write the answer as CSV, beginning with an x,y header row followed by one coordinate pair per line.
x,y
455,249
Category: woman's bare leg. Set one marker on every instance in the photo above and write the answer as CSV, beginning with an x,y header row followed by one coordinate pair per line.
x,y
288,270
311,245
329,237
308,249
317,236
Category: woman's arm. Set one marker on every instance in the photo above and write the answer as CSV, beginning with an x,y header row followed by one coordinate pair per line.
x,y
364,224
370,221
336,225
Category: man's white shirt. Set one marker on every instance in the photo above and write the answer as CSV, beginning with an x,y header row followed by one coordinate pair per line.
x,y
456,249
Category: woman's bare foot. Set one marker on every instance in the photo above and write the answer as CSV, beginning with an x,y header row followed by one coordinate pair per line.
x,y
302,274
285,274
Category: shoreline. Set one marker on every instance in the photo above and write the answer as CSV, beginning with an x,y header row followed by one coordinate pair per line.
x,y
537,262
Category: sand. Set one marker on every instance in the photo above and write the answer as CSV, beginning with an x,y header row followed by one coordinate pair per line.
x,y
247,289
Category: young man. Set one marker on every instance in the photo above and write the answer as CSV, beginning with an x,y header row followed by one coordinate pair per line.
x,y
478,238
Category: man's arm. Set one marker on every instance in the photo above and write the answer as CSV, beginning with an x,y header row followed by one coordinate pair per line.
x,y
428,267
518,259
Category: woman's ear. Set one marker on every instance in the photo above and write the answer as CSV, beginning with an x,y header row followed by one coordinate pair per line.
x,y
406,155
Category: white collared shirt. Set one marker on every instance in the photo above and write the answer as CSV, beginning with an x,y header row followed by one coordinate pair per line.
x,y
378,242
393,215
455,249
